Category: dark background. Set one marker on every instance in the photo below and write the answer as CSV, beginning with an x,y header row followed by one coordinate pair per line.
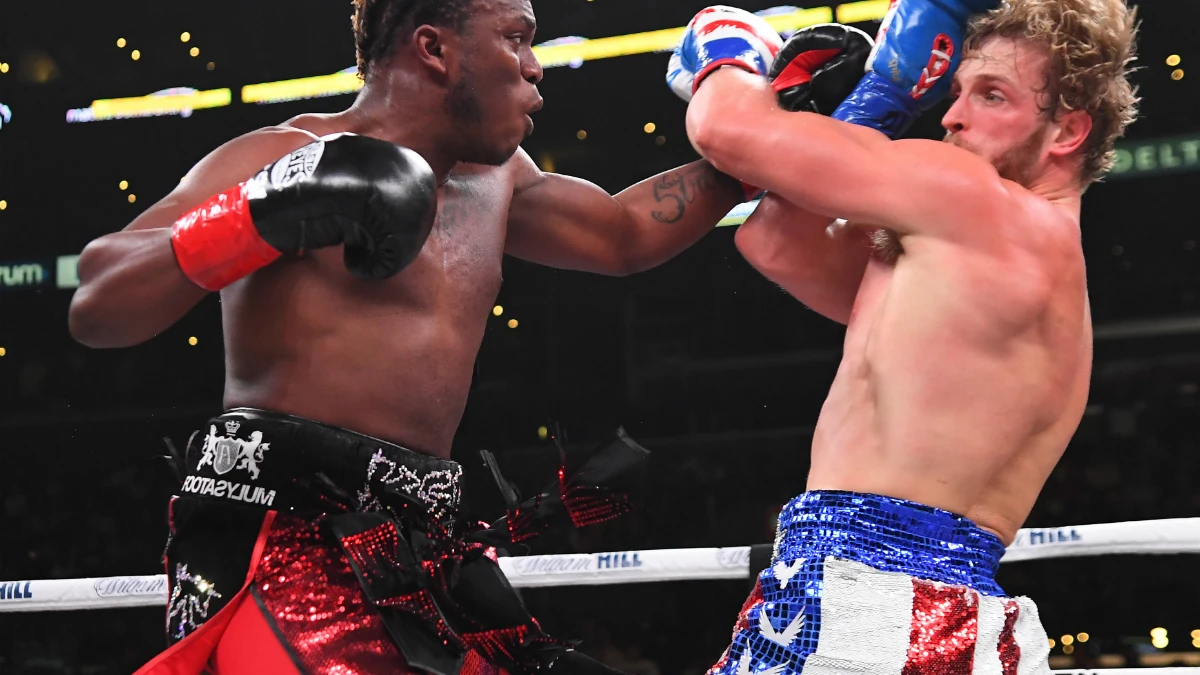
x,y
703,361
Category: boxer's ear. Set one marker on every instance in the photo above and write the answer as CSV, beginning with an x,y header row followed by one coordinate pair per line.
x,y
429,43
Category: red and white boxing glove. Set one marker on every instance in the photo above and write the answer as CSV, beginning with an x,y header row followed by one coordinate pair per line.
x,y
721,36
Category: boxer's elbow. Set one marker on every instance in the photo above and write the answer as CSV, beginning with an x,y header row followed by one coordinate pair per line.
x,y
713,133
85,322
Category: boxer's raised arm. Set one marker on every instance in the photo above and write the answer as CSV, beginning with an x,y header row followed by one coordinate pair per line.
x,y
131,286
570,223
842,170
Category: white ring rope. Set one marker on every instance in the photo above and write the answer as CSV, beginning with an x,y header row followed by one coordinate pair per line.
x,y
1176,535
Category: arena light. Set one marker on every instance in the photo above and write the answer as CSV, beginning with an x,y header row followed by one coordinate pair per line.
x,y
132,198
1082,637
568,51
513,323
180,101
124,185
342,82
497,310
194,51
649,128
3,351
3,204
1173,60
1068,639
858,12
1177,74
120,43
581,135
135,54
3,67
185,36
1158,638
193,341
573,51
543,432
1052,643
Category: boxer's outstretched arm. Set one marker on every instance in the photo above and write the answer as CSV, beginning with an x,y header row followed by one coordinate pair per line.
x,y
131,287
570,223
840,170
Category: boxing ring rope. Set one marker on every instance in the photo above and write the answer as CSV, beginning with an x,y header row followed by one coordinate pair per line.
x,y
1154,537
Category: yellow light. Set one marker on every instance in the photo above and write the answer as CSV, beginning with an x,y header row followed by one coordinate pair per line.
x,y
3,204
512,323
1196,643
194,51
1177,74
581,135
132,198
3,67
192,341
497,310
649,128
1068,649
124,185
1067,639
1083,637
1052,643
211,65
121,43
135,55
1173,60
1158,632
1196,634
1160,643
185,37
543,432
3,351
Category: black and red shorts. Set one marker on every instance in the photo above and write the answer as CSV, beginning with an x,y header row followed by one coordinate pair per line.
x,y
298,547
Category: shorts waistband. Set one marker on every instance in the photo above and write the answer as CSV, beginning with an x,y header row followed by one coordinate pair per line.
x,y
892,535
281,461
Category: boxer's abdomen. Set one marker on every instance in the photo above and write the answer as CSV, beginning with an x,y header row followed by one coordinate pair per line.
x,y
938,400
392,358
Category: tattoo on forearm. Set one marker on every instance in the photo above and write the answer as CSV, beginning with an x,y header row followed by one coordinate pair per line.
x,y
676,190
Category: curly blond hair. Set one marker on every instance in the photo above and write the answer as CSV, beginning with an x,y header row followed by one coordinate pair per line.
x,y
1090,44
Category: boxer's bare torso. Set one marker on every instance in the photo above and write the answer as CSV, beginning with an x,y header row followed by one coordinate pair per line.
x,y
966,367
389,358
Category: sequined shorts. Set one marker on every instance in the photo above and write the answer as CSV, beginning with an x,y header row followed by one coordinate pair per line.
x,y
870,584
246,537
347,554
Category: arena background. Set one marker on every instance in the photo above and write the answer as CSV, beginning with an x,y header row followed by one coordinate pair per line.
x,y
707,364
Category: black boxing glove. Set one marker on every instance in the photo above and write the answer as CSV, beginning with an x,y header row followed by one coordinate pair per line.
x,y
819,67
376,198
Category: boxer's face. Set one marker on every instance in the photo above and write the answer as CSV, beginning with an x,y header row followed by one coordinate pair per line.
x,y
493,90
999,108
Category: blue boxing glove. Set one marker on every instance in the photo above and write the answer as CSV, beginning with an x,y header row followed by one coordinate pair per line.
x,y
721,36
917,51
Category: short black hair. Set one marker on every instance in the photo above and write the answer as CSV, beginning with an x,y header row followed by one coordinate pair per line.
x,y
376,23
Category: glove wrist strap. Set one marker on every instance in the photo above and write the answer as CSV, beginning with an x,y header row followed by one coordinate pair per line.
x,y
216,243
879,104
712,68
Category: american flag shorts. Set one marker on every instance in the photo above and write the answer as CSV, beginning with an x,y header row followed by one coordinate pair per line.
x,y
871,585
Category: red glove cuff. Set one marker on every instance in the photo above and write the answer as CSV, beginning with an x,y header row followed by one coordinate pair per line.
x,y
216,243
751,192
708,70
